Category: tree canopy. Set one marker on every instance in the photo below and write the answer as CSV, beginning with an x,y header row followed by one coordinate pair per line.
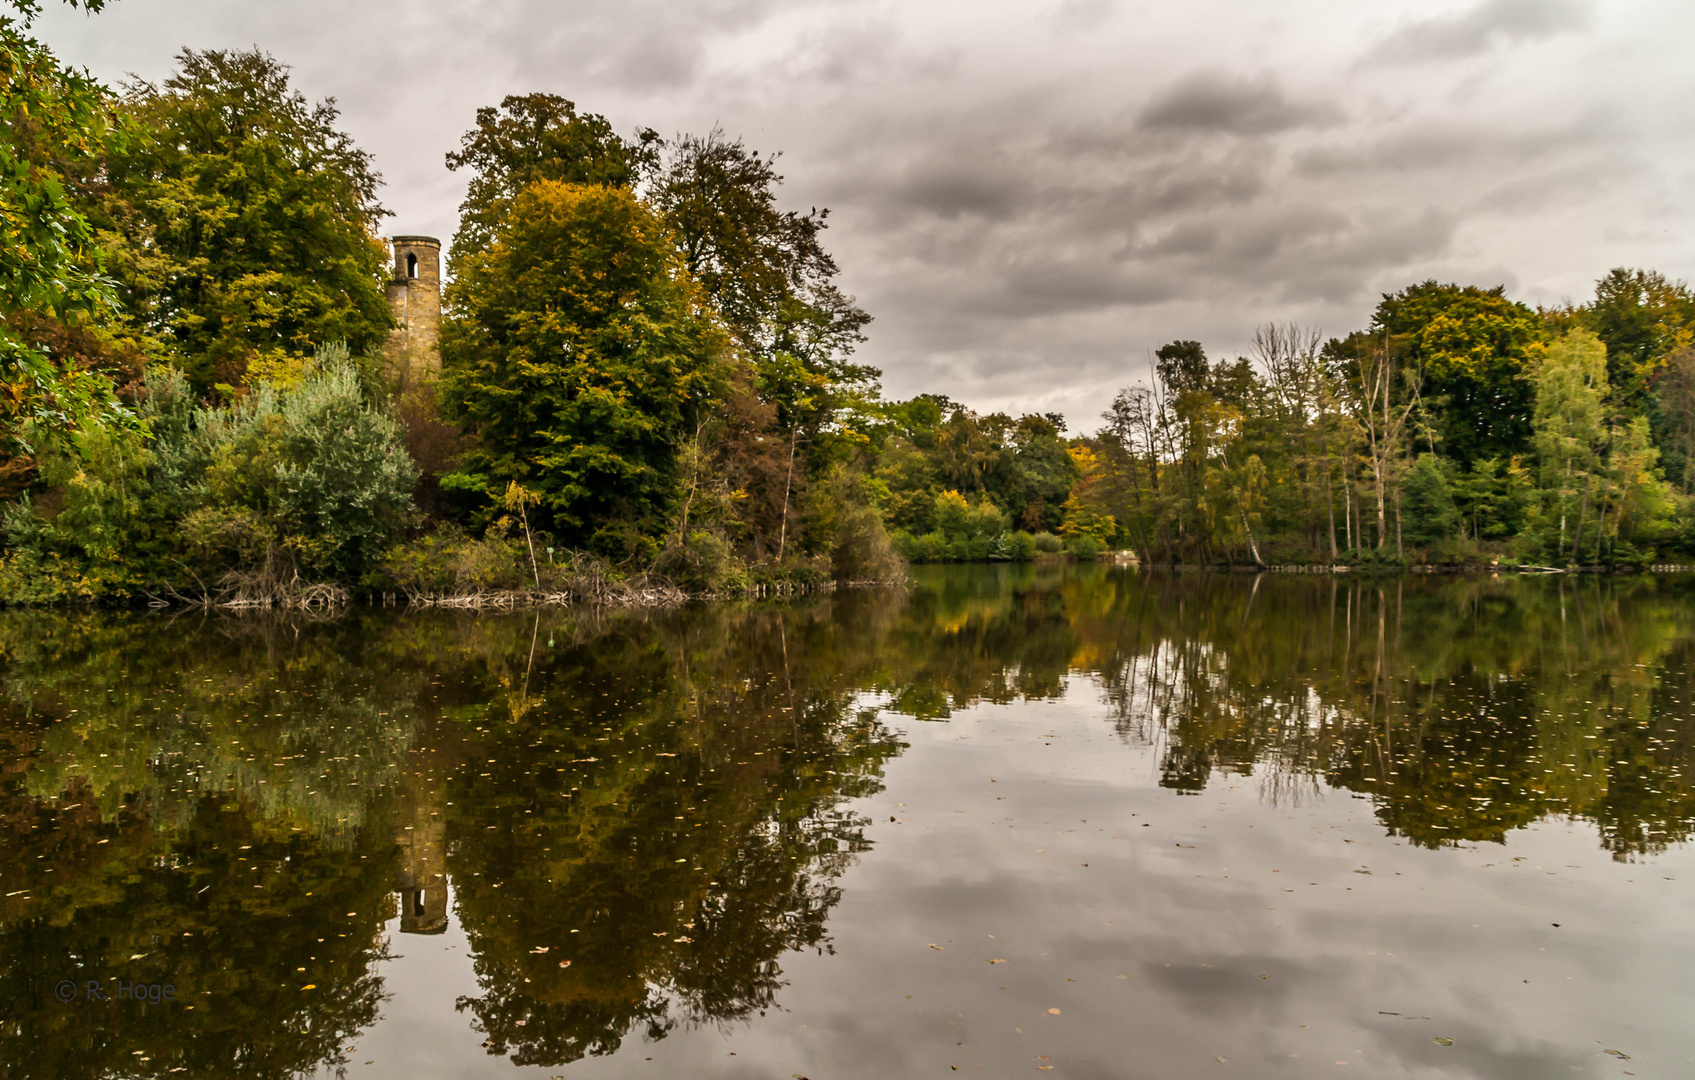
x,y
241,222
580,357
533,137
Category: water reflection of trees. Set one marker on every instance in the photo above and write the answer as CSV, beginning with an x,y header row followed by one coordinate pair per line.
x,y
232,806
674,828
1465,708
193,808
241,807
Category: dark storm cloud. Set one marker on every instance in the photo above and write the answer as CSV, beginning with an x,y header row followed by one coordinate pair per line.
x,y
1483,27
1218,101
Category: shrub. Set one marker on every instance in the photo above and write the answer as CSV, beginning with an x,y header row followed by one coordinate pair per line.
x,y
450,563
322,472
931,547
702,563
846,521
1021,546
1047,543
307,480
1085,547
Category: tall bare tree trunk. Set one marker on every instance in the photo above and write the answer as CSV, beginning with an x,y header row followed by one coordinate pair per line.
x,y
1399,553
1582,512
1348,509
1252,546
788,484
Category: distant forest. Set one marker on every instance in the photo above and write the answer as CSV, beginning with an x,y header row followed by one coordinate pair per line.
x,y
649,375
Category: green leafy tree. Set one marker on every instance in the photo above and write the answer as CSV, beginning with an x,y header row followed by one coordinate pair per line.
x,y
241,223
533,137
767,273
1571,388
1642,318
1428,513
579,356
54,124
1471,347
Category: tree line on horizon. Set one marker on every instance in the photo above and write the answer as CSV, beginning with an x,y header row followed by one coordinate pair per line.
x,y
1460,427
648,368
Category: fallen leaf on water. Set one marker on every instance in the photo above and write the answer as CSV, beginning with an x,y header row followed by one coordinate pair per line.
x,y
1442,1040
310,986
1222,1060
542,949
938,948
564,963
1620,1054
1053,1012
997,960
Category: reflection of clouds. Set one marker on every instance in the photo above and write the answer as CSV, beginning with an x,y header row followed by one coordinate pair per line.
x,y
1191,929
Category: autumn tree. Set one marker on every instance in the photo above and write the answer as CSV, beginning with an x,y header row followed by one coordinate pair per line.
x,y
579,354
1469,348
56,123
241,222
532,137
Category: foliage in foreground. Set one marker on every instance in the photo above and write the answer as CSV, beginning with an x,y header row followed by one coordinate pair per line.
x,y
293,484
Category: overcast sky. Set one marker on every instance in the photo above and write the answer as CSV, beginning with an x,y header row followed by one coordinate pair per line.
x,y
1030,197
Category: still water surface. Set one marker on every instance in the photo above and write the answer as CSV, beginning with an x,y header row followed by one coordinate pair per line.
x,y
1012,821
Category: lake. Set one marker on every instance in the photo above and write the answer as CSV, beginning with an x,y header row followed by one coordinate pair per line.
x,y
1009,821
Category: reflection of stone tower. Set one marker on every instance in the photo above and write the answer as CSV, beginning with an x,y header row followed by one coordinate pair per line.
x,y
421,876
414,295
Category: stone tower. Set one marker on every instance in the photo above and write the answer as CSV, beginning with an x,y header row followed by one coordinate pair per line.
x,y
414,295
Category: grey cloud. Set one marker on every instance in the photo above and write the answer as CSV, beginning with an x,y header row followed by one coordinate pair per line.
x,y
845,52
950,189
1481,28
1219,102
1075,16
1430,145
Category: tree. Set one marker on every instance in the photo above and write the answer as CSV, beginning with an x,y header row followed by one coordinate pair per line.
x,y
1642,319
54,124
1036,478
533,137
1470,347
1382,415
241,223
579,355
1675,396
1571,387
1427,502
768,275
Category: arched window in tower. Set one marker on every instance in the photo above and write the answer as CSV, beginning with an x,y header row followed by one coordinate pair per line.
x,y
411,265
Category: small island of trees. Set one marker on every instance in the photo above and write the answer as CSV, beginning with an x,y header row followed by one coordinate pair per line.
x,y
649,382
